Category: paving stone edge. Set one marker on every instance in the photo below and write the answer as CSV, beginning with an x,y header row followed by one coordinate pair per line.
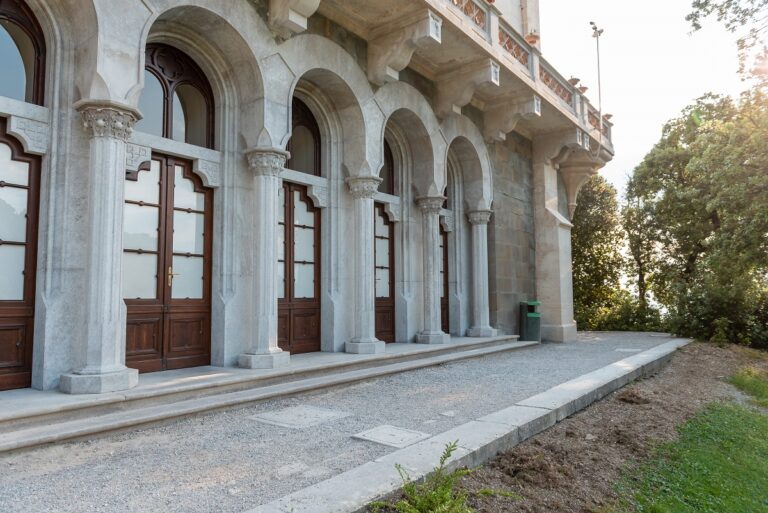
x,y
479,440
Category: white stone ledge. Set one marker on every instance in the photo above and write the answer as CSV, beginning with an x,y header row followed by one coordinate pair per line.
x,y
205,162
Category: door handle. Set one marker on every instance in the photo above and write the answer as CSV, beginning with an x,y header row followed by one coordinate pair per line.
x,y
171,275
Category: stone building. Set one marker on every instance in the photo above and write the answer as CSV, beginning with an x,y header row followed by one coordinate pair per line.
x,y
207,182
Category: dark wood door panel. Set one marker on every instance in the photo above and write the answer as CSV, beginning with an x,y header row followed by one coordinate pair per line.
x,y
13,344
385,322
305,330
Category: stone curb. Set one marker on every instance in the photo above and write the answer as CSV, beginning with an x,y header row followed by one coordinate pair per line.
x,y
67,430
479,440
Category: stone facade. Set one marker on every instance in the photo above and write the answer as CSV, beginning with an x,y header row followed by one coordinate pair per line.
x,y
476,123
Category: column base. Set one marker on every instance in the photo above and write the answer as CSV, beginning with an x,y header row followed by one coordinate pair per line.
x,y
74,383
264,361
486,331
365,347
433,337
559,333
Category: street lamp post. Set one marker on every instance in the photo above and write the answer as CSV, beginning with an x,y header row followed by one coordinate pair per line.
x,y
596,33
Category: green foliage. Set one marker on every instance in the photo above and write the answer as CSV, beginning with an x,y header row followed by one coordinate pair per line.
x,y
718,465
754,382
437,494
626,313
489,492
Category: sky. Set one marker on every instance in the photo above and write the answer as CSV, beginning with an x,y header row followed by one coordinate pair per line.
x,y
652,65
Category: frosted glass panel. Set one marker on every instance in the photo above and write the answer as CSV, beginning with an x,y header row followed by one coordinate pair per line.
x,y
11,273
179,121
382,230
12,171
280,280
189,282
151,106
188,232
301,212
303,281
304,244
382,252
382,282
139,276
302,150
147,187
140,227
281,242
184,195
13,214
281,205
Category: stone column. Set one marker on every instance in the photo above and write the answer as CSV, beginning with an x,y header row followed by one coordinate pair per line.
x,y
109,126
264,353
363,189
481,326
430,212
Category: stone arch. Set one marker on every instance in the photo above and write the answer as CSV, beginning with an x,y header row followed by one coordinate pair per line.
x,y
406,107
467,144
330,70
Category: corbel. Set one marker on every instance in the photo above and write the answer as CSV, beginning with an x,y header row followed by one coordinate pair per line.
x,y
389,53
288,17
456,88
501,118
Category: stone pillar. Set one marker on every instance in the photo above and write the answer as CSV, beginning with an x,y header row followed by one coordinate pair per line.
x,y
430,211
264,353
481,326
363,189
109,126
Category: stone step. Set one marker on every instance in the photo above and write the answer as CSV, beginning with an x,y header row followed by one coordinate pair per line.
x,y
98,418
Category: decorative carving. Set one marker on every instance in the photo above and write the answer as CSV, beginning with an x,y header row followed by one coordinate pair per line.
x,y
474,11
456,88
447,221
209,171
288,17
509,43
33,134
361,187
390,53
319,195
269,162
556,85
500,119
430,204
135,155
108,121
479,217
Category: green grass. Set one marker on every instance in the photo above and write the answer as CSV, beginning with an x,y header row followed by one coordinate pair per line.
x,y
754,382
718,465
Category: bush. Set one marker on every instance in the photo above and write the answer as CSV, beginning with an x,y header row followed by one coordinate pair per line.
x,y
625,313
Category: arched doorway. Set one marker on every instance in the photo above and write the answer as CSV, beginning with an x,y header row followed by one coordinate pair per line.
x,y
299,238
384,254
168,223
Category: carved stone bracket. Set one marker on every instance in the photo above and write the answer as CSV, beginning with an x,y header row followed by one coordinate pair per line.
x,y
288,17
363,186
456,88
135,155
34,135
393,212
319,195
447,221
479,217
108,119
390,53
502,118
209,171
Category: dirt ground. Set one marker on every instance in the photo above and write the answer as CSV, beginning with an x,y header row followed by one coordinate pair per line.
x,y
572,467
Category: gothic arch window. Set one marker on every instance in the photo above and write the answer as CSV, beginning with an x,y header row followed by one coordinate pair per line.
x,y
304,145
177,100
388,171
22,53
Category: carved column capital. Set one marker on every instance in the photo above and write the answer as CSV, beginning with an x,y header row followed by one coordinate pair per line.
x,y
363,186
107,119
266,161
479,216
430,204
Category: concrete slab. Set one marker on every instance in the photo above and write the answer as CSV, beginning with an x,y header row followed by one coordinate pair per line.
x,y
300,417
392,436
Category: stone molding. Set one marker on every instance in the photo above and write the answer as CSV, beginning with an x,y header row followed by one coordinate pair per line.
x,y
266,162
456,88
430,204
108,119
135,155
288,17
447,220
361,187
501,118
390,53
34,135
479,216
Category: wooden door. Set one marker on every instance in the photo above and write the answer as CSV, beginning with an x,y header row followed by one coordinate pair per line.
x,y
298,271
384,259
167,241
444,298
19,197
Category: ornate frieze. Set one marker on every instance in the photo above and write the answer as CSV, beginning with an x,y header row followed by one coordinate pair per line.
x,y
510,44
107,121
474,11
555,85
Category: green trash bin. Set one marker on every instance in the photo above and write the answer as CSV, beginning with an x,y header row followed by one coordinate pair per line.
x,y
530,321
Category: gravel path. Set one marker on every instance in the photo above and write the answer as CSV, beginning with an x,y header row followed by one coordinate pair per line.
x,y
229,462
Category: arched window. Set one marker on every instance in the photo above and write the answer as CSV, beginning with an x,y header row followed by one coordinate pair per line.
x,y
304,145
388,171
22,54
177,100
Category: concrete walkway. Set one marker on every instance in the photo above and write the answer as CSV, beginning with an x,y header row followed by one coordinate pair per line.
x,y
236,460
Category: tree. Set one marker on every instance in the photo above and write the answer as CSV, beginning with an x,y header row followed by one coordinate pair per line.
x,y
596,240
